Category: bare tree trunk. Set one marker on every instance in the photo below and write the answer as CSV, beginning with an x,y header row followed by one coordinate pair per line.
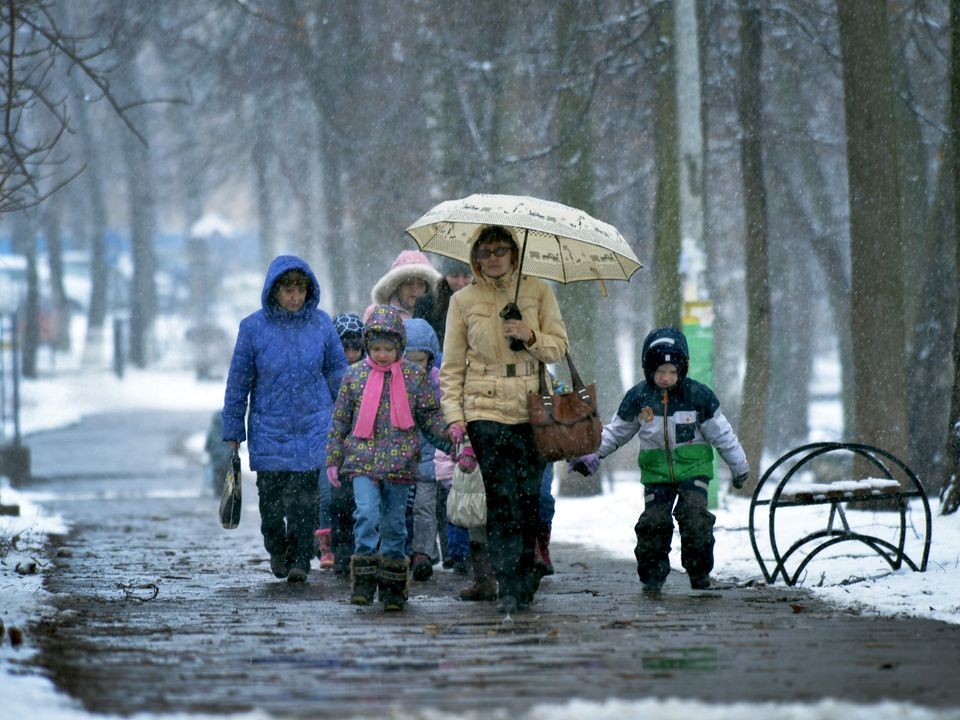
x,y
60,311
875,230
141,205
951,493
260,158
721,231
306,200
931,378
575,187
340,267
25,243
791,319
753,412
666,223
96,207
689,134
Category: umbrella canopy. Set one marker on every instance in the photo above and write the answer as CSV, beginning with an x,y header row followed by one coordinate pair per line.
x,y
558,242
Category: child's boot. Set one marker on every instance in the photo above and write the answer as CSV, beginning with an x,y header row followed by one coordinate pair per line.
x,y
421,566
363,579
393,577
324,551
341,564
542,561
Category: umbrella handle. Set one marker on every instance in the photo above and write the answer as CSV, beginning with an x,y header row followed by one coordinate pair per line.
x,y
523,251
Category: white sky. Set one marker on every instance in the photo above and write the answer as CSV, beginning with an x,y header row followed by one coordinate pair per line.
x,y
605,522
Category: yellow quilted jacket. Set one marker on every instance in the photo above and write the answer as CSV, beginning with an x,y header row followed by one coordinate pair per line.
x,y
481,377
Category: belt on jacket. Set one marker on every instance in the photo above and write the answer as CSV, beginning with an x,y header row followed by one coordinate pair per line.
x,y
508,369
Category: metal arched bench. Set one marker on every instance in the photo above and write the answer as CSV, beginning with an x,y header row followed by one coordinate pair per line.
x,y
897,486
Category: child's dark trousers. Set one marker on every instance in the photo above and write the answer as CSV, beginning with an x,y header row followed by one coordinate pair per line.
x,y
654,530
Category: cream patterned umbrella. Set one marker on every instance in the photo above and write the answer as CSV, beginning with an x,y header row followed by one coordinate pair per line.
x,y
558,242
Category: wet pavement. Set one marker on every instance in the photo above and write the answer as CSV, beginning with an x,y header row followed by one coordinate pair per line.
x,y
153,607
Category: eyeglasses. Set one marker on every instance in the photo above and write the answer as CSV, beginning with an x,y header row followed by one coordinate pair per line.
x,y
499,251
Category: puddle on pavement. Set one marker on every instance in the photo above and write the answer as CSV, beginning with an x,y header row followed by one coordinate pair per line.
x,y
697,659
374,663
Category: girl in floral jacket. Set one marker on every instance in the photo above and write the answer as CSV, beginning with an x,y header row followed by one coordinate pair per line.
x,y
383,404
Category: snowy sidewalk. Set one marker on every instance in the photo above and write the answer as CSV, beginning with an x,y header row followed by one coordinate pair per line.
x,y
593,535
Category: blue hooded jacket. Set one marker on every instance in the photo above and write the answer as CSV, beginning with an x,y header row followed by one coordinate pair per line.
x,y
289,365
421,337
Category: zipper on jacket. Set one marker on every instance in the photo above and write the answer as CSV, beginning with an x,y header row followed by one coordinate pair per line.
x,y
666,436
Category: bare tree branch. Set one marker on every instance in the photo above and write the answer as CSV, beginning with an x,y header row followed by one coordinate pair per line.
x,y
33,43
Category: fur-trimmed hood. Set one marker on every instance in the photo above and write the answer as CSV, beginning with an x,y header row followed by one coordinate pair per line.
x,y
409,264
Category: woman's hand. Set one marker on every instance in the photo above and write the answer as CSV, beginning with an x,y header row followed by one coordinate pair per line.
x,y
517,329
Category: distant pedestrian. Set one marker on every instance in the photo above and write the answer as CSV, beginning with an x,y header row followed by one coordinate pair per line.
x,y
383,405
285,374
678,422
433,306
218,455
410,277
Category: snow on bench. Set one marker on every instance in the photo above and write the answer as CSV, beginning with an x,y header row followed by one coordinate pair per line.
x,y
841,490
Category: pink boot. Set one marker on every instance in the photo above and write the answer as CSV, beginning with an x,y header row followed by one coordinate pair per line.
x,y
324,553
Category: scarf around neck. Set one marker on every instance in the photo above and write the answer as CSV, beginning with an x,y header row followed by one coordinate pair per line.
x,y
400,415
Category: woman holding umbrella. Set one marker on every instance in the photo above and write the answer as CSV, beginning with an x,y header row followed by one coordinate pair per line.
x,y
490,364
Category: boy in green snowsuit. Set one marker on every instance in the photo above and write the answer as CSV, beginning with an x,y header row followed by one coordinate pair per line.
x,y
679,423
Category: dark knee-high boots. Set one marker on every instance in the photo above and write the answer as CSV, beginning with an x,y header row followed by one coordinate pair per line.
x,y
484,583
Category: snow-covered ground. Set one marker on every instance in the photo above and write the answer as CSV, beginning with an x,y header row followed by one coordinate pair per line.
x,y
848,578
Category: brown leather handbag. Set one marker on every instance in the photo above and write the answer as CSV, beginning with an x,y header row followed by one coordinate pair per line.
x,y
565,425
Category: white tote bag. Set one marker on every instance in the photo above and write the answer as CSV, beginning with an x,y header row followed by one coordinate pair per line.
x,y
467,501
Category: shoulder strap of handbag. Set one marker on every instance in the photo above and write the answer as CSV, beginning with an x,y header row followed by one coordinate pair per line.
x,y
578,385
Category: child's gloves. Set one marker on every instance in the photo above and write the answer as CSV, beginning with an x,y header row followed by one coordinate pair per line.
x,y
585,464
455,433
740,480
467,461
333,475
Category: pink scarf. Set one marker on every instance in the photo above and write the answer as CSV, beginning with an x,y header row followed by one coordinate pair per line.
x,y
400,416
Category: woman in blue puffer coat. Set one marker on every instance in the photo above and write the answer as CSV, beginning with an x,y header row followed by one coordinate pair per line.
x,y
288,361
